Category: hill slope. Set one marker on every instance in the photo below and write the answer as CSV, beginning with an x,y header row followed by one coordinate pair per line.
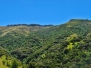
x,y
66,46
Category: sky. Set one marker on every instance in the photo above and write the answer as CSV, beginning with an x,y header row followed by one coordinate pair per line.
x,y
43,12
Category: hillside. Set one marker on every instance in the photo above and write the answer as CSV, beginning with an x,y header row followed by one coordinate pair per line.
x,y
62,46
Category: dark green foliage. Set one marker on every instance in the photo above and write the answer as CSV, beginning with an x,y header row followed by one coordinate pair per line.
x,y
3,52
14,64
31,65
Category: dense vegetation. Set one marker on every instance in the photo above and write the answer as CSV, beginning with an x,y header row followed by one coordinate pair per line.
x,y
63,46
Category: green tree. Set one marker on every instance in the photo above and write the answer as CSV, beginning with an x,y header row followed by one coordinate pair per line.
x,y
14,64
31,65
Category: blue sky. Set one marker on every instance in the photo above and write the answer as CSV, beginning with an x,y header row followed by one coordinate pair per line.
x,y
43,11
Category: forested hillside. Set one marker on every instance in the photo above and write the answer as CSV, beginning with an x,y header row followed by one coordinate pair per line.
x,y
35,46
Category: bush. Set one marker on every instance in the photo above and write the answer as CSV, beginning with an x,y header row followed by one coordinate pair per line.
x,y
14,64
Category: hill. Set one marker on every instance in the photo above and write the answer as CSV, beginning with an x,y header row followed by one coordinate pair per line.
x,y
62,46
